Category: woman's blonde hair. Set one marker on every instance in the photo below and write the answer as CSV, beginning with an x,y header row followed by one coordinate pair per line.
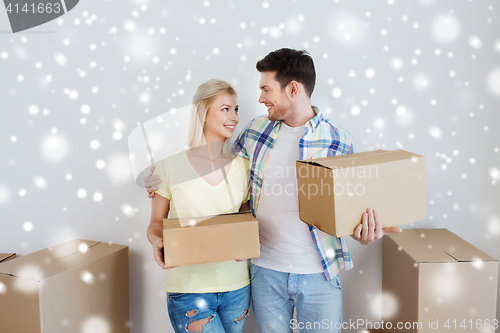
x,y
202,100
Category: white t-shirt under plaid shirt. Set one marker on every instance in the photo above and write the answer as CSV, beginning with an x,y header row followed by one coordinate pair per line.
x,y
321,138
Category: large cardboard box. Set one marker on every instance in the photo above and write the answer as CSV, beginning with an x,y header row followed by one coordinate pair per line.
x,y
77,286
197,240
7,256
335,191
435,278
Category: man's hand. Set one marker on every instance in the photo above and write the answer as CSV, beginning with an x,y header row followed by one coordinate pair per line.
x,y
371,229
151,183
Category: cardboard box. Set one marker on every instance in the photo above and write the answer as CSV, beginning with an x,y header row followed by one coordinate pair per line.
x,y
210,239
433,277
335,191
7,256
77,286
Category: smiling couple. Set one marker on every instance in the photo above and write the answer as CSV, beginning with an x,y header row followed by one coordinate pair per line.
x,y
299,264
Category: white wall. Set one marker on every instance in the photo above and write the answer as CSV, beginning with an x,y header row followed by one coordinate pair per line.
x,y
342,36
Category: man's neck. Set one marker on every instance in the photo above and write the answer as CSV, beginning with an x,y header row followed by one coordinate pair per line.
x,y
299,115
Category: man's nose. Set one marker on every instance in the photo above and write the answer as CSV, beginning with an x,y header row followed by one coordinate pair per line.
x,y
261,98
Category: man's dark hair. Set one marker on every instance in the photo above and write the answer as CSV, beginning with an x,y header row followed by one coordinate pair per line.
x,y
290,65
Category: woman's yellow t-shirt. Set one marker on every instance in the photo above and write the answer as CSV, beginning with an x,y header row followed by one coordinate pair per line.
x,y
191,196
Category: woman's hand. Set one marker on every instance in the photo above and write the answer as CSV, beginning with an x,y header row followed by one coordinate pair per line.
x,y
158,252
159,210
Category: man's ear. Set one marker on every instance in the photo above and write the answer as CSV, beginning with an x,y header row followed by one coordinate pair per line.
x,y
293,88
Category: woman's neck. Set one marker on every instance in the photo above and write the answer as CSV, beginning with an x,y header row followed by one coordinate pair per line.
x,y
210,150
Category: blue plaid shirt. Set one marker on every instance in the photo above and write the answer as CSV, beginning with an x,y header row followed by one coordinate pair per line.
x,y
321,138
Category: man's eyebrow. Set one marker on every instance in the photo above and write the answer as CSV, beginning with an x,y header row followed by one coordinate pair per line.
x,y
264,86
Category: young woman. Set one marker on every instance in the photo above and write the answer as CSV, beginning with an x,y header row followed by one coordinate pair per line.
x,y
204,180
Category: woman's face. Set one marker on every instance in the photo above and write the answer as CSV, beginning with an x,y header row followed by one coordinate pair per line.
x,y
221,118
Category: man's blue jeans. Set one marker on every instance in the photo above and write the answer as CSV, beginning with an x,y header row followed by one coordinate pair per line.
x,y
275,294
227,310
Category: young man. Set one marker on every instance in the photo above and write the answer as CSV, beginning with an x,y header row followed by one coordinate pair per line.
x,y
299,265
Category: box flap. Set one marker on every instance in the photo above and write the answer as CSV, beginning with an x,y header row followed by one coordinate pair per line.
x,y
188,222
53,260
438,245
362,159
7,256
319,161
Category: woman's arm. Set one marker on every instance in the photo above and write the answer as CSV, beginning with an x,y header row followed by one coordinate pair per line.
x,y
159,210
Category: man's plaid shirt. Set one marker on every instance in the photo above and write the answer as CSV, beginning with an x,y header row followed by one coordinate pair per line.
x,y
321,138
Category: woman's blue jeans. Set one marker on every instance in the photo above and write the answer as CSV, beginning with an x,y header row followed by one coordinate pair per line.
x,y
226,311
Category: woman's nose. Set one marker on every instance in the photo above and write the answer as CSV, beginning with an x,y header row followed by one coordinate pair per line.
x,y
234,117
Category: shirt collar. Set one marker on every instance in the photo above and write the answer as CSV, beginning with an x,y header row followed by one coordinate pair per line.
x,y
316,120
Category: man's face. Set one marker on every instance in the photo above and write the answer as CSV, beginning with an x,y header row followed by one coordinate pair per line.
x,y
277,101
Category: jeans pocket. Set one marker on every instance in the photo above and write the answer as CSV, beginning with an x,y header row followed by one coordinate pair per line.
x,y
254,271
174,295
334,282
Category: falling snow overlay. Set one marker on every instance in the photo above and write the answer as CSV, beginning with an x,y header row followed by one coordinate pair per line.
x,y
418,75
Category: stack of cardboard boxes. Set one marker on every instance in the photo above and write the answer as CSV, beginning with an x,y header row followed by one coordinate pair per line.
x,y
434,281
77,286
437,282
